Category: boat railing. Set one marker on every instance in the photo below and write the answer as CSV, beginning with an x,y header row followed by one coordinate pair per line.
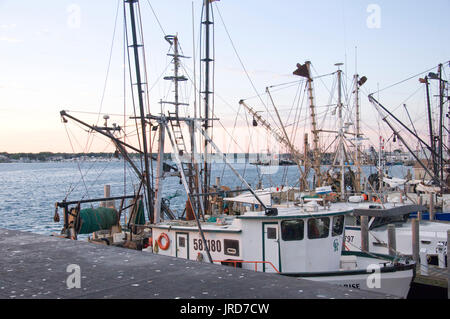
x,y
235,262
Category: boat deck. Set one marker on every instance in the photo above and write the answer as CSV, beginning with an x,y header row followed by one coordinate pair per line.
x,y
35,266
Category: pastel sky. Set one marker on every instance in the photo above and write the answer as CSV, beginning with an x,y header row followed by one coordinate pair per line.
x,y
54,55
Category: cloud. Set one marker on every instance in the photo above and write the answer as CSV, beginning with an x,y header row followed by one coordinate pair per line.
x,y
43,32
10,40
7,26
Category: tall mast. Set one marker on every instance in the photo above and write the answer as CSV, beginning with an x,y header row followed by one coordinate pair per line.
x,y
341,130
430,127
140,92
441,122
315,132
358,83
305,71
207,92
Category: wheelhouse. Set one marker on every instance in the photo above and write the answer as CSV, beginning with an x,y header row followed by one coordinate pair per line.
x,y
288,242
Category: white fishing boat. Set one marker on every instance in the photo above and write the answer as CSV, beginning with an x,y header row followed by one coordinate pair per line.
x,y
302,241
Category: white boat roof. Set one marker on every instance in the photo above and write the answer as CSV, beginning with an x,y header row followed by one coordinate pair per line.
x,y
304,211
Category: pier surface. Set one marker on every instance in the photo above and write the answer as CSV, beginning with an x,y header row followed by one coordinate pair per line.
x,y
35,266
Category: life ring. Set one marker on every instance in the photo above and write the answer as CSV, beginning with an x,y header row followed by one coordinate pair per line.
x,y
163,235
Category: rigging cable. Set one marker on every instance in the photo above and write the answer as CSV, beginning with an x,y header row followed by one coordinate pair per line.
x,y
243,66
107,75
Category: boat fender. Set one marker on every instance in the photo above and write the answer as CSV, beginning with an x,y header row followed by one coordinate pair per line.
x,y
166,245
356,199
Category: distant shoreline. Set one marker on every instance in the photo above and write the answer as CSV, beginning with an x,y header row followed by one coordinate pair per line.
x,y
43,157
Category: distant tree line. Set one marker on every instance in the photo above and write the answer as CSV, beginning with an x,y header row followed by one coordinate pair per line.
x,y
46,156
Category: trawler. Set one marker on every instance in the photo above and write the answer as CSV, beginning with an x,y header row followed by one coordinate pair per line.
x,y
302,238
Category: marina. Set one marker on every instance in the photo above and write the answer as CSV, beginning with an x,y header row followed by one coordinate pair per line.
x,y
317,187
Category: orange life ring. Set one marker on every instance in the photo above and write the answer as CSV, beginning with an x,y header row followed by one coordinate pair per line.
x,y
163,235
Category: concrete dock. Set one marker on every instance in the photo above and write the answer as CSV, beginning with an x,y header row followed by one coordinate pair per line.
x,y
36,266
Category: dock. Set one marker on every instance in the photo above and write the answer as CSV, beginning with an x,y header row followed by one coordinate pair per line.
x,y
35,266
432,284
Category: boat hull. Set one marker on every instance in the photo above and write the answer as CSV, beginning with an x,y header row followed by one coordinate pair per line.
x,y
371,275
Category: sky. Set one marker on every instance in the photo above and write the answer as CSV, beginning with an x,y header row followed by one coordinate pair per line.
x,y
57,55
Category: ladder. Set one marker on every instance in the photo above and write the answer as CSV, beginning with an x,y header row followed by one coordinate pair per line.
x,y
187,166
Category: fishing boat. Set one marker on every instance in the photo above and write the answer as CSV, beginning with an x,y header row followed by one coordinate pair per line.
x,y
432,234
301,241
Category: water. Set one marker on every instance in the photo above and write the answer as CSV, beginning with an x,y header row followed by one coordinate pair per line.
x,y
28,191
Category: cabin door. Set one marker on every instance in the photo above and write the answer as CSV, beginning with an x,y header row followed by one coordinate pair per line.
x,y
271,244
182,245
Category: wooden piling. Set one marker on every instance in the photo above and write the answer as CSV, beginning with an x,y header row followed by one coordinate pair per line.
x,y
431,207
218,181
415,240
106,194
392,246
364,233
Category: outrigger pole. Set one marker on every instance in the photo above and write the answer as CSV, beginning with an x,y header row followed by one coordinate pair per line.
x,y
433,176
303,174
121,147
373,100
115,140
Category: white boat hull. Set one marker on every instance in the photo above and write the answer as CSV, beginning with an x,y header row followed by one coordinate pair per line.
x,y
389,280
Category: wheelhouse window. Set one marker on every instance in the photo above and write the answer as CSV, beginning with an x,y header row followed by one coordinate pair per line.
x,y
338,225
181,242
271,233
231,247
292,229
318,227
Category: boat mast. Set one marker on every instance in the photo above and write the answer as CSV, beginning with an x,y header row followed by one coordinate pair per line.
x,y
316,152
430,127
135,46
207,92
305,71
341,131
358,83
441,122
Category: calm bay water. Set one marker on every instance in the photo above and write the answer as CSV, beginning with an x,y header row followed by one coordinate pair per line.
x,y
28,191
